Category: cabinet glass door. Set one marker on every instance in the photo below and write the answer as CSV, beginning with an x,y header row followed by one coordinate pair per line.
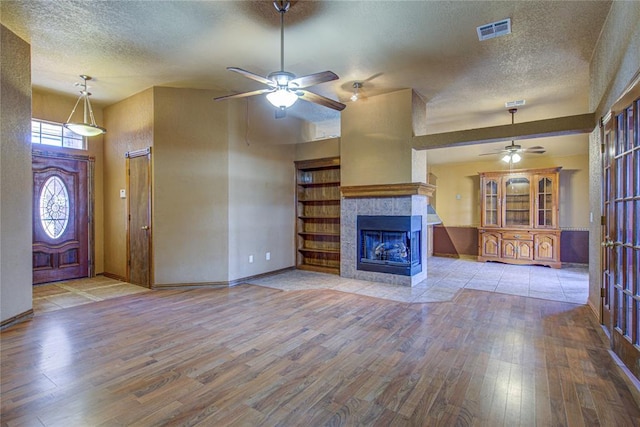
x,y
544,216
517,208
491,203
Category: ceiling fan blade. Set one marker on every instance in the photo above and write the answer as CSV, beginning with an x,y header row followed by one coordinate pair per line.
x,y
313,79
537,147
321,100
535,151
252,76
243,94
494,153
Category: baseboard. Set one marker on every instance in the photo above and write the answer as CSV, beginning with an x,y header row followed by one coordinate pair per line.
x,y
114,276
216,285
18,318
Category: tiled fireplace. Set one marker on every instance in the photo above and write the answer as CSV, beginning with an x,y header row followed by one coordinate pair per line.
x,y
399,203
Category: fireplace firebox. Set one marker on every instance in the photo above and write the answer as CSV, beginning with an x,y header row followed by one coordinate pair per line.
x,y
390,244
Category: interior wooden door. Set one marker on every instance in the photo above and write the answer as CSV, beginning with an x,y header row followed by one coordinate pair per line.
x,y
608,228
60,218
623,228
139,236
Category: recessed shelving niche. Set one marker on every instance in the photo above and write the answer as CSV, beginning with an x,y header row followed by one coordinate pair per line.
x,y
318,215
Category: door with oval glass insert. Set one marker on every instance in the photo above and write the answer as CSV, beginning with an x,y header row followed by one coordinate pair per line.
x,y
60,218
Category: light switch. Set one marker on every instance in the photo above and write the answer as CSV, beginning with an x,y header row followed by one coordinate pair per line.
x,y
123,193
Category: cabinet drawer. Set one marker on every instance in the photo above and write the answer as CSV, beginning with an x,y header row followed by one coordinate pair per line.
x,y
517,236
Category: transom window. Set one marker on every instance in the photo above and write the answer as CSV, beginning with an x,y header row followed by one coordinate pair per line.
x,y
50,133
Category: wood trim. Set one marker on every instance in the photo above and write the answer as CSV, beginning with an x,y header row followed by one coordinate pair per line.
x,y
571,125
552,169
222,284
114,276
388,190
18,318
317,163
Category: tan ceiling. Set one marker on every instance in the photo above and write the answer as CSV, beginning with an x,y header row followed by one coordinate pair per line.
x,y
430,46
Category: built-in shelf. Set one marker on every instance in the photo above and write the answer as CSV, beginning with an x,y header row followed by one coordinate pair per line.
x,y
318,215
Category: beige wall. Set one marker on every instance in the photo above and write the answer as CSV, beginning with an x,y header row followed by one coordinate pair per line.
x,y
461,179
261,191
191,181
375,145
15,176
318,149
616,60
129,125
56,108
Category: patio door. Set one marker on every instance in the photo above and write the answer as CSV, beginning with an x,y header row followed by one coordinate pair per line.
x,y
621,253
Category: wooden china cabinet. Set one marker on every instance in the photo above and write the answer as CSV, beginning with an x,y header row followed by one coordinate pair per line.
x,y
519,217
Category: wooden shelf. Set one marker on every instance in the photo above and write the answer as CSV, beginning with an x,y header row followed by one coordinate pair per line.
x,y
320,184
320,251
318,215
329,201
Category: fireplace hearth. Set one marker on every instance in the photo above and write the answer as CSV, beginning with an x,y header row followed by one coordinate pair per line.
x,y
389,244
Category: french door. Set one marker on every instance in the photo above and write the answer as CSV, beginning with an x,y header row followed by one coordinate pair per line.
x,y
61,217
621,253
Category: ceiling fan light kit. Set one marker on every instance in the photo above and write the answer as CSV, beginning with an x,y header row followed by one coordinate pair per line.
x,y
356,86
284,88
88,127
513,153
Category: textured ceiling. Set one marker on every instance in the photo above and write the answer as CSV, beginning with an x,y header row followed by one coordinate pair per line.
x,y
430,46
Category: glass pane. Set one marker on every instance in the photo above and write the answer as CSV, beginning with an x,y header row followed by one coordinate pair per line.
x,y
628,299
636,161
54,207
619,206
620,133
636,280
517,208
629,224
629,131
637,227
620,170
617,321
628,262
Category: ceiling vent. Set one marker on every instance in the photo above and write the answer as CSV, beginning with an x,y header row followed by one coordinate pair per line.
x,y
512,104
494,29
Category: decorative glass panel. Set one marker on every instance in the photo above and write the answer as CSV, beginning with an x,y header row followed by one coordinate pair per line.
x,y
491,203
54,207
517,208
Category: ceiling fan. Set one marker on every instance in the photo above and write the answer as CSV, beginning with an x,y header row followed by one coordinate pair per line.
x,y
284,88
512,152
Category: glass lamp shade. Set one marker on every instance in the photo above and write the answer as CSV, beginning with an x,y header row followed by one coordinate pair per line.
x,y
85,129
512,158
282,98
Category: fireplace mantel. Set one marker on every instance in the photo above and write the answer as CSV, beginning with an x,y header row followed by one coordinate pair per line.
x,y
388,190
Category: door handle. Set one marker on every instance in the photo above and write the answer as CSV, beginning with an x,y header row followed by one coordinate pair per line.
x,y
145,227
607,244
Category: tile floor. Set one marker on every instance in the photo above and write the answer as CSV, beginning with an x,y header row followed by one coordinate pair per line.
x,y
446,276
69,293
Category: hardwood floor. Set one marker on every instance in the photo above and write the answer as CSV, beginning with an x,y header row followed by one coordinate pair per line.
x,y
255,356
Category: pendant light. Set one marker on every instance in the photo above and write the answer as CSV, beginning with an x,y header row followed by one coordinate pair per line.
x,y
86,128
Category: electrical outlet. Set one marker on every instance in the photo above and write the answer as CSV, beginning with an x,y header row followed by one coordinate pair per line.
x,y
250,259
268,256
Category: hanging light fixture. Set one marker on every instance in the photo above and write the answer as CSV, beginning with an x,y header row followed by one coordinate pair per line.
x,y
512,158
356,86
85,128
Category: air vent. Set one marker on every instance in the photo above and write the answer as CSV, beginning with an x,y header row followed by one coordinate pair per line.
x,y
512,104
494,29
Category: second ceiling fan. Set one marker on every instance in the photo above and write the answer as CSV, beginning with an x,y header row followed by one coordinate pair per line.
x,y
284,88
512,152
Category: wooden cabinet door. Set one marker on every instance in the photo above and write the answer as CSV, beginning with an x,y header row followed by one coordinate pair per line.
x,y
546,247
490,214
546,201
525,250
490,245
510,249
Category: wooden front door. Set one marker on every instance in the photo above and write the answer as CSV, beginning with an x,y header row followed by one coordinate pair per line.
x,y
60,218
621,272
139,215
